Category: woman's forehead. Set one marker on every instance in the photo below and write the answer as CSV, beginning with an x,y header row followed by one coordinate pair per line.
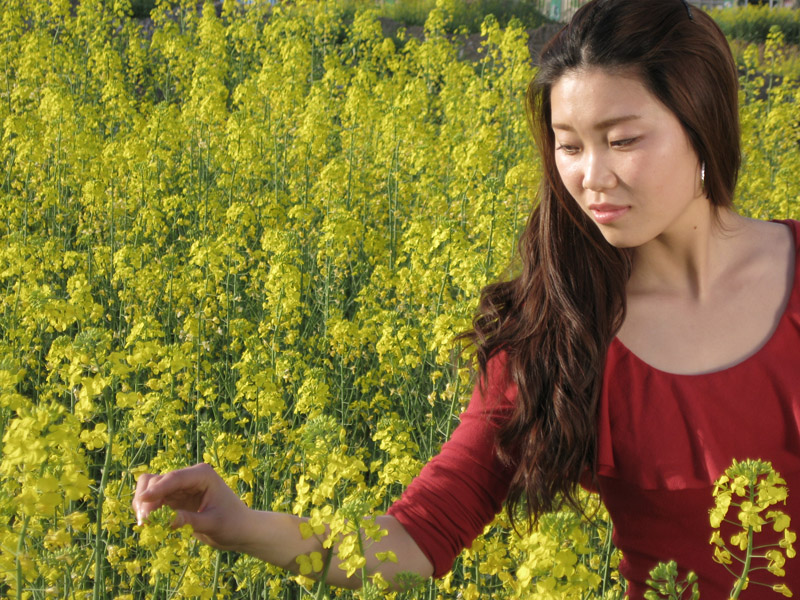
x,y
600,96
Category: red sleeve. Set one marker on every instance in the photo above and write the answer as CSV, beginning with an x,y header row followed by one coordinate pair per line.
x,y
462,488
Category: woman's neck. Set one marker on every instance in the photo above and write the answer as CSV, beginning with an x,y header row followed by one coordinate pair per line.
x,y
689,257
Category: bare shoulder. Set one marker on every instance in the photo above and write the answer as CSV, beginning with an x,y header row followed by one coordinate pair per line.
x,y
760,266
765,247
770,232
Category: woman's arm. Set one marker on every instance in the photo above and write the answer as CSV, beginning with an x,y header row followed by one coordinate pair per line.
x,y
283,531
444,508
219,518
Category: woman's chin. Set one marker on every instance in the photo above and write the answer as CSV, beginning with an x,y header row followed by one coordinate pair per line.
x,y
620,238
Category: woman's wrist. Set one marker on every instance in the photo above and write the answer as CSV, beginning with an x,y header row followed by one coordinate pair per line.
x,y
274,537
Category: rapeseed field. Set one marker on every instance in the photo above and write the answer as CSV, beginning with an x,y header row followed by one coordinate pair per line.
x,y
248,237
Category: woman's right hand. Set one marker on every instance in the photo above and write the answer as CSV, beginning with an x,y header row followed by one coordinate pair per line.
x,y
200,498
219,518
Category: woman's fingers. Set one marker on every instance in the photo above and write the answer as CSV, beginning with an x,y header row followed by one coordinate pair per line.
x,y
183,483
183,489
200,498
201,522
142,507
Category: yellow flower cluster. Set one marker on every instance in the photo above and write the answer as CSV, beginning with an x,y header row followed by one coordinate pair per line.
x,y
752,487
246,234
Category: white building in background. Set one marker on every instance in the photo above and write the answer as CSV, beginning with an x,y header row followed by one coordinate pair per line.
x,y
559,10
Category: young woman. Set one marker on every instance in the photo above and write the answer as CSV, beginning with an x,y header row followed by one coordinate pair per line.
x,y
652,336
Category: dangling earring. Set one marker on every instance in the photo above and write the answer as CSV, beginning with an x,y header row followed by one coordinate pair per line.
x,y
703,175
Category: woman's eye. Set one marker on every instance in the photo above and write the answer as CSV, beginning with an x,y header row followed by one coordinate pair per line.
x,y
567,149
622,143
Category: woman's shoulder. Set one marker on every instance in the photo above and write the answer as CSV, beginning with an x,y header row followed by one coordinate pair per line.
x,y
771,243
776,246
775,230
780,226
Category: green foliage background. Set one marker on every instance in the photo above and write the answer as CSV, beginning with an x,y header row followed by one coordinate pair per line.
x,y
249,239
752,23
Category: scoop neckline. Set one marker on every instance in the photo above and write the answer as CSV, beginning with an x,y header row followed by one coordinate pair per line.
x,y
780,325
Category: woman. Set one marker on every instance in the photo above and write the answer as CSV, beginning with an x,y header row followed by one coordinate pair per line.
x,y
649,324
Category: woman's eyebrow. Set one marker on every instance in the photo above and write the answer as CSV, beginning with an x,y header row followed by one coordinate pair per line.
x,y
601,125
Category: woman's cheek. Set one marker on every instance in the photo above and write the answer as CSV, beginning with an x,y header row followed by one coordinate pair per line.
x,y
563,172
569,176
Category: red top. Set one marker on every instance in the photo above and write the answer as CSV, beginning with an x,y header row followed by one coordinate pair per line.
x,y
663,439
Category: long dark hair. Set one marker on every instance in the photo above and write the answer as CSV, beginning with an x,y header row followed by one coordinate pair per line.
x,y
556,319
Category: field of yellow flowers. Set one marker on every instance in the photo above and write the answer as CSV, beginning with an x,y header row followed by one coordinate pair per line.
x,y
248,238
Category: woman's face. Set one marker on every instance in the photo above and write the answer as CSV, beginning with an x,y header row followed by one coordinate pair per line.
x,y
624,157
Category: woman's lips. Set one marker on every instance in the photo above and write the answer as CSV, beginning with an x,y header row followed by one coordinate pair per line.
x,y
607,213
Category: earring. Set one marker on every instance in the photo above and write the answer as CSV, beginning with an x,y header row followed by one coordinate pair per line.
x,y
703,174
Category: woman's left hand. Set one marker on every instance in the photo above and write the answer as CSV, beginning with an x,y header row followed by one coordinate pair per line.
x,y
200,498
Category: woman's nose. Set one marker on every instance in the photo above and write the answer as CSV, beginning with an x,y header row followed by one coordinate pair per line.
x,y
597,173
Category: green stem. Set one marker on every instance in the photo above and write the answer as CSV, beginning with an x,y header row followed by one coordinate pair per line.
x,y
364,568
746,570
322,587
98,549
20,546
216,576
156,586
742,581
607,549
